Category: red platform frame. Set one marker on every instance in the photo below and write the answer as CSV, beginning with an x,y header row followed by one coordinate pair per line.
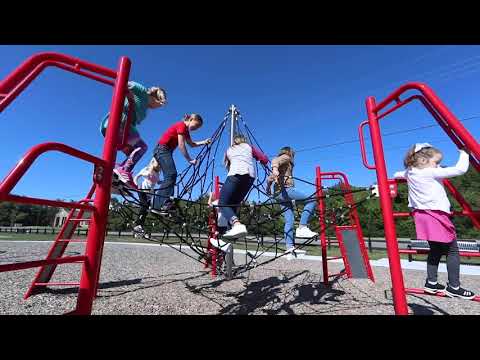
x,y
453,128
10,88
354,219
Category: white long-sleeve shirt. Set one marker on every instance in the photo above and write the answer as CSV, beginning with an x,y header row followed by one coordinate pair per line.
x,y
150,179
242,158
425,188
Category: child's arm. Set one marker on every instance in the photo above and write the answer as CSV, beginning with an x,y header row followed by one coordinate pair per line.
x,y
460,167
269,184
277,162
141,173
259,156
226,161
198,143
183,149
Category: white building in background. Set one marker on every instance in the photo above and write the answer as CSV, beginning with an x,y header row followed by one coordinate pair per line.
x,y
62,215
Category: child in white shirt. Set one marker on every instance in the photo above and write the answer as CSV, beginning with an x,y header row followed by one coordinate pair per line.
x,y
431,213
151,177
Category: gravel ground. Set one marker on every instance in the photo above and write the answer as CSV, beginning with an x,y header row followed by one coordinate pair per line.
x,y
158,280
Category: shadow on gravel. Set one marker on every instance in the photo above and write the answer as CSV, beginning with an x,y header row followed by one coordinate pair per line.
x,y
428,309
151,283
136,284
269,295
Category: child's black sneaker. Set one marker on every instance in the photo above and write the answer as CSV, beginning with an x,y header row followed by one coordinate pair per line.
x,y
166,209
460,293
434,289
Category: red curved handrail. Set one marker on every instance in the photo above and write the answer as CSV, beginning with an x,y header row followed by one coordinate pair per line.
x,y
24,164
16,82
362,146
443,111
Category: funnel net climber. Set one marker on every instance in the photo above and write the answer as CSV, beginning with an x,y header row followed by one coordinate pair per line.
x,y
193,225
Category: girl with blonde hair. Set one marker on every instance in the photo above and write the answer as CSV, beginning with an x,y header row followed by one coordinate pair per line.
x,y
431,213
239,160
151,177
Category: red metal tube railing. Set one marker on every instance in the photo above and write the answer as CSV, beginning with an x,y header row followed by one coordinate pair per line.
x,y
38,263
18,80
53,203
24,164
14,84
442,109
475,162
363,150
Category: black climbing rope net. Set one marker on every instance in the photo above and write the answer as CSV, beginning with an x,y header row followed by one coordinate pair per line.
x,y
186,227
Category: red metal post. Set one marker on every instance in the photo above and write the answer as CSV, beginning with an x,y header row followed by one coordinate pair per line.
x,y
399,297
96,234
321,220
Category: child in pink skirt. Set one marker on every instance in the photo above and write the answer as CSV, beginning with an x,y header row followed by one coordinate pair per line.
x,y
431,213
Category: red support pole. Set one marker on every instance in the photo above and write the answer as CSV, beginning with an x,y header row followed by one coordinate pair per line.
x,y
96,234
399,297
321,220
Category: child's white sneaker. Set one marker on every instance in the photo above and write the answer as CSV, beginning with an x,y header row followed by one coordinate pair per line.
x,y
305,233
220,244
290,254
236,231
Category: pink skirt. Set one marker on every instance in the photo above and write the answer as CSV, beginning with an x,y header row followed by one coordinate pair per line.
x,y
434,225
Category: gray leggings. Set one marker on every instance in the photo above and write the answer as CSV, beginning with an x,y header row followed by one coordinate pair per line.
x,y
437,249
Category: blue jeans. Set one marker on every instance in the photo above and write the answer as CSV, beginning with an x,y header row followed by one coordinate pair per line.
x,y
308,210
236,187
164,156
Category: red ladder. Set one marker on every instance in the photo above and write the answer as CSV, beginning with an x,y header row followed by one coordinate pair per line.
x,y
64,237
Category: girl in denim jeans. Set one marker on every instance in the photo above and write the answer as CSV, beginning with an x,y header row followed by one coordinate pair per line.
x,y
285,192
177,135
239,160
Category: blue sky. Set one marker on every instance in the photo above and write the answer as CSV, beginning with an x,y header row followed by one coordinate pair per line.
x,y
301,96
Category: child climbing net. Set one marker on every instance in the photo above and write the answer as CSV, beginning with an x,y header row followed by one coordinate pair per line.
x,y
187,225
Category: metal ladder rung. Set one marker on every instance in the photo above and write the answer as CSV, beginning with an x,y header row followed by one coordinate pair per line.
x,y
81,219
